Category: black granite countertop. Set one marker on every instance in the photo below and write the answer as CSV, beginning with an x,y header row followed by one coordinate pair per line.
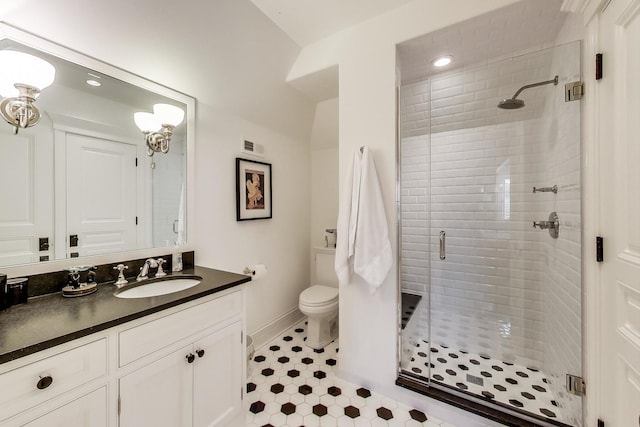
x,y
50,320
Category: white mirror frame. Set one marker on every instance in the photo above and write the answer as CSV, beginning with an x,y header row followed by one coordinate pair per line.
x,y
27,39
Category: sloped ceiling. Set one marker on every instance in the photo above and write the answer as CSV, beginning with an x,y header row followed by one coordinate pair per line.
x,y
307,21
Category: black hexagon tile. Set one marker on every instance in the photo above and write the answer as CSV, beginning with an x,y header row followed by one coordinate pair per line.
x,y
352,411
334,391
277,388
320,410
363,392
288,408
384,413
305,389
418,415
256,407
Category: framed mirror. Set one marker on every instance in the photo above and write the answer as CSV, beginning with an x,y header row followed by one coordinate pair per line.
x,y
82,182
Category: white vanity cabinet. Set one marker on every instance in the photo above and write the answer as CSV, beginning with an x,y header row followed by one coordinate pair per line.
x,y
184,369
183,366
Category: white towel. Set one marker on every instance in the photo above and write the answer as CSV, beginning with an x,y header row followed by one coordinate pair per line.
x,y
363,236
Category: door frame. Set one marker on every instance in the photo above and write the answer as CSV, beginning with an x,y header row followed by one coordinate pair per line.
x,y
594,311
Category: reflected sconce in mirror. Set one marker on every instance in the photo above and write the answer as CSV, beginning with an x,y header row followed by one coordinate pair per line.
x,y
22,78
158,126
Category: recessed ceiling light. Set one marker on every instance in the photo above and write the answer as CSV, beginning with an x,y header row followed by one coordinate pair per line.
x,y
442,61
95,83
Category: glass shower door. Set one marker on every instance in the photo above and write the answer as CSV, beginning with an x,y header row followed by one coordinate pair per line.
x,y
503,228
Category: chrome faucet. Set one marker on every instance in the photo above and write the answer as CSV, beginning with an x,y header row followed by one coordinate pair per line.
x,y
160,271
144,270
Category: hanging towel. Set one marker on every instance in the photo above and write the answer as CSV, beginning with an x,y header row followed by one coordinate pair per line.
x,y
363,236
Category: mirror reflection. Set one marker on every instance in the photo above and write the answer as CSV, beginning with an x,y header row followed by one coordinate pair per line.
x,y
78,175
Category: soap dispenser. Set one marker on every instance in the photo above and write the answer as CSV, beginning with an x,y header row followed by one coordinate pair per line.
x,y
176,259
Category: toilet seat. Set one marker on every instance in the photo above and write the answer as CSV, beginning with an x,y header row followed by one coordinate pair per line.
x,y
318,295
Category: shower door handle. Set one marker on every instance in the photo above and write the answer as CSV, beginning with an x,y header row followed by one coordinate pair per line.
x,y
443,238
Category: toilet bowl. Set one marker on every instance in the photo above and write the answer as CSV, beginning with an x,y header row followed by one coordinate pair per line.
x,y
320,305
319,302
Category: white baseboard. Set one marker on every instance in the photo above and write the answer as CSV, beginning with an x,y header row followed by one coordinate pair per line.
x,y
265,334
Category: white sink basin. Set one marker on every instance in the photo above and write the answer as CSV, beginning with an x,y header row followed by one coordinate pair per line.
x,y
155,287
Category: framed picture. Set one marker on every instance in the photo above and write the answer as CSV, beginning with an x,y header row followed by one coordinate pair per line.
x,y
254,199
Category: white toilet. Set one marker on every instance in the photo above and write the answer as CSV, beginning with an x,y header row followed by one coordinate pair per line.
x,y
319,302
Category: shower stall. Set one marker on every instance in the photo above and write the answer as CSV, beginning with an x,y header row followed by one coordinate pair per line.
x,y
490,234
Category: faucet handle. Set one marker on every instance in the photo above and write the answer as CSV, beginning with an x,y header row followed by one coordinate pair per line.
x,y
121,279
160,271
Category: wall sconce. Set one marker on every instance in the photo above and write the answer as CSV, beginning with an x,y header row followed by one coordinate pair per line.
x,y
158,126
22,77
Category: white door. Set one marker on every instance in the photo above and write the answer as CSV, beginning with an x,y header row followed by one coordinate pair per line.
x,y
26,193
160,394
619,142
217,376
101,195
87,411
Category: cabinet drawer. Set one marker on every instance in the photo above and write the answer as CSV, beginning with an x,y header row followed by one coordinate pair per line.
x,y
150,337
19,387
87,411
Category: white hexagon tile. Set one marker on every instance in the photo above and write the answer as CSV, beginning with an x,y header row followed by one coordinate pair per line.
x,y
293,385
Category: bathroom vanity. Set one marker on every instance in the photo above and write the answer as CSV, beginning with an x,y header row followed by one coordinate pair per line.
x,y
168,360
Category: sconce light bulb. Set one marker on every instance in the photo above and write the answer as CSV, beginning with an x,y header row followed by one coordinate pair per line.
x,y
147,122
168,114
25,69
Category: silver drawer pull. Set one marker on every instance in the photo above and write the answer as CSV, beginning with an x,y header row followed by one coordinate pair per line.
x,y
443,237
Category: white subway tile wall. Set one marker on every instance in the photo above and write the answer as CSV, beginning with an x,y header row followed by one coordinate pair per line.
x,y
168,176
468,168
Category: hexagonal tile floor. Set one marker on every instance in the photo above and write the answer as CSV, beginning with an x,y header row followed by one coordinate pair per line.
x,y
292,385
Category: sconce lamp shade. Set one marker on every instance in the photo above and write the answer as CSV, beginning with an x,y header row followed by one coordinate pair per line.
x,y
168,114
147,122
24,69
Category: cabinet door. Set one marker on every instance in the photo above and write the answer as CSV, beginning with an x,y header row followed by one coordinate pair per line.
x,y
88,411
160,394
217,377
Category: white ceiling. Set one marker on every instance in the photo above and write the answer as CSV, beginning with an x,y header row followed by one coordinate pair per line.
x,y
527,24
307,21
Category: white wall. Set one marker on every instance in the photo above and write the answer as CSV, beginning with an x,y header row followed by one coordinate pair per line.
x,y
281,243
230,57
324,170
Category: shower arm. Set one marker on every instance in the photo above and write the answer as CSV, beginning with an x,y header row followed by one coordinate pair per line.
x,y
554,81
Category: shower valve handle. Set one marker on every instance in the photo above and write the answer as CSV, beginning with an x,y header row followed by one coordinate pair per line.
x,y
553,225
544,225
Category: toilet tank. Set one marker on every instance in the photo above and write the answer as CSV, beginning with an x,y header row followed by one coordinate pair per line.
x,y
324,267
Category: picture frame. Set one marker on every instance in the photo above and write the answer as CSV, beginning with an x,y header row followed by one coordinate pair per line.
x,y
254,197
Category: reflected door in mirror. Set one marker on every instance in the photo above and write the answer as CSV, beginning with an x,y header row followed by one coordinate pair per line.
x,y
26,194
101,195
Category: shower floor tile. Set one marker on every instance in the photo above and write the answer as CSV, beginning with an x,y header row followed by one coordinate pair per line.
x,y
293,385
518,387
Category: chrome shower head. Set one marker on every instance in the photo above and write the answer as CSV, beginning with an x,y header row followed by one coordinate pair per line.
x,y
514,103
511,104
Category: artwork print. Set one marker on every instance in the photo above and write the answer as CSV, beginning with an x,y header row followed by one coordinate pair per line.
x,y
253,190
254,186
